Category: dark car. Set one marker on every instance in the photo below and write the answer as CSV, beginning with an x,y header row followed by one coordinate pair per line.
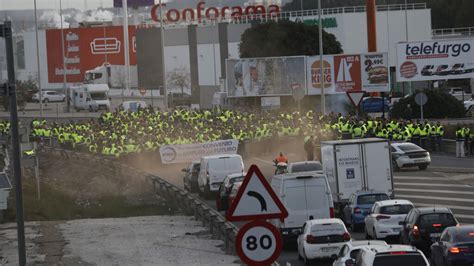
x,y
455,247
359,206
179,99
190,178
222,200
423,226
375,105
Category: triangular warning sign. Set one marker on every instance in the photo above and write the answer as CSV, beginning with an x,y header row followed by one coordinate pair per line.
x,y
355,97
256,200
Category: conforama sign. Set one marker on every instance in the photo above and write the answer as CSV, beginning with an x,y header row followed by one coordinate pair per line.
x,y
212,13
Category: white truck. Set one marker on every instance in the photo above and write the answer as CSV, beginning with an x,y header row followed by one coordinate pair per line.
x,y
92,97
357,165
112,75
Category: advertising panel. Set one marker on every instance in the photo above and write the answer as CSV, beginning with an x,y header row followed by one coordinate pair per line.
x,y
85,49
264,76
314,74
184,153
375,72
435,60
347,70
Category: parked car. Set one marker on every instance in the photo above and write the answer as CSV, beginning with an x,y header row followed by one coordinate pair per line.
x,y
406,154
305,166
225,188
457,69
442,70
469,106
428,70
233,192
393,255
191,176
375,104
423,226
351,250
176,99
455,247
132,106
384,218
306,196
359,206
322,238
214,169
49,96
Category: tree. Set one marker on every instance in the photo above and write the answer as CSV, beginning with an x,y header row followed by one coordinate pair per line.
x,y
179,78
285,38
439,105
24,91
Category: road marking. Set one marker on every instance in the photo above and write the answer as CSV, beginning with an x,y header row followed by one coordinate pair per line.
x,y
431,184
421,178
400,196
435,191
454,207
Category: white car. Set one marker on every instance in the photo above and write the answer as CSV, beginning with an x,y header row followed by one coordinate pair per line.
x,y
305,166
406,154
322,238
384,218
393,255
469,105
351,250
49,96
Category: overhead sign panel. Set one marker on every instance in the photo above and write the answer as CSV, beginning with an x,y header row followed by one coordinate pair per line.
x,y
435,60
256,199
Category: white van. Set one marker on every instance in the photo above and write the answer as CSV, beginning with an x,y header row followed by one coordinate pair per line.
x,y
306,196
215,168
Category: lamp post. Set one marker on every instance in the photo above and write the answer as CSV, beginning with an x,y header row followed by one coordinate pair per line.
x,y
38,64
321,62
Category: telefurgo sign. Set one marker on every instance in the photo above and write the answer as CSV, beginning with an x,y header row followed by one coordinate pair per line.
x,y
212,13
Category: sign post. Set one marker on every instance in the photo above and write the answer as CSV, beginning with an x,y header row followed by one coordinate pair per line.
x,y
258,242
421,99
297,93
356,98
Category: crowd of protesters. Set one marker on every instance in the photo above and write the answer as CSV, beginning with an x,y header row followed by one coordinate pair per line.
x,y
120,133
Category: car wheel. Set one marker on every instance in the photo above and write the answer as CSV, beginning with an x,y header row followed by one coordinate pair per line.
x,y
422,166
353,226
46,100
299,256
306,260
396,168
400,239
207,193
90,109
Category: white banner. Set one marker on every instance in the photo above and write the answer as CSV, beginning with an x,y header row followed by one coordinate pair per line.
x,y
435,60
185,153
314,74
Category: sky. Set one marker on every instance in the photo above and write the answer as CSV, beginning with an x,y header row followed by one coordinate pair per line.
x,y
53,4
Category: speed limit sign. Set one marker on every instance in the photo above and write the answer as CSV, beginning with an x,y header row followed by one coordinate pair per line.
x,y
258,243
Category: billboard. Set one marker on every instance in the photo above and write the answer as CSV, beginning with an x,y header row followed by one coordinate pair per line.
x,y
375,72
264,76
313,70
435,60
85,49
347,70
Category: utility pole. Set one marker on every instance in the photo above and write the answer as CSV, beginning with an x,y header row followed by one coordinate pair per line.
x,y
321,60
38,65
163,71
10,90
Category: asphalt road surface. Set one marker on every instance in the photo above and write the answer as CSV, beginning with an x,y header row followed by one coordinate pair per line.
x,y
423,188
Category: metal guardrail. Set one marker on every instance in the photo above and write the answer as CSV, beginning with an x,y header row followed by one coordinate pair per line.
x,y
177,197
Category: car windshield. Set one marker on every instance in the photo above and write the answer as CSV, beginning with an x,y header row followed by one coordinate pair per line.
x,y
396,209
465,235
327,229
99,95
409,147
371,198
307,167
437,218
399,259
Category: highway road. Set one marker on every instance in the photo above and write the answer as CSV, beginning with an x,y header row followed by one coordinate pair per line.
x,y
423,188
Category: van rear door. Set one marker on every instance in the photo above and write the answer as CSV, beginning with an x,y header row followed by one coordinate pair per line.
x,y
317,198
378,167
295,202
349,170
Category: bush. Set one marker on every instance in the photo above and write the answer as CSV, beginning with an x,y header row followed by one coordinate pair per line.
x,y
439,105
24,92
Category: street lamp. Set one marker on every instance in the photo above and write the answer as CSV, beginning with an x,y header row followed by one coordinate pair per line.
x,y
321,64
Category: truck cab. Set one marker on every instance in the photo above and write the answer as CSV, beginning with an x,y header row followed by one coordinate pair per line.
x,y
92,97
